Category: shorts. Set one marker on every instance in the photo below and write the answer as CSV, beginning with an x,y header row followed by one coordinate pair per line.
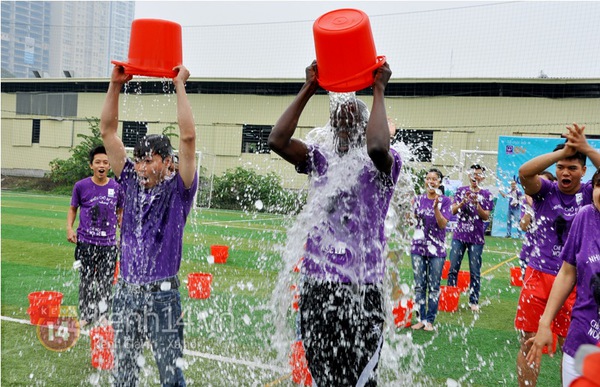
x,y
532,302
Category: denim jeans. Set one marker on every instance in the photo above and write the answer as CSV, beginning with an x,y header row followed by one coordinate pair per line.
x,y
514,214
140,315
474,252
428,273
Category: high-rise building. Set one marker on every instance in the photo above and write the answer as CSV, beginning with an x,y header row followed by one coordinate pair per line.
x,y
64,38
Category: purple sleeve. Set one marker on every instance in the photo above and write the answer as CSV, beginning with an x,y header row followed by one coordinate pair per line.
x,y
75,196
396,166
573,243
488,202
120,196
446,208
544,189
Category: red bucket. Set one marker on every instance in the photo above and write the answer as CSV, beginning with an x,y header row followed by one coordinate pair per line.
x,y
516,278
102,339
199,285
449,296
44,307
220,253
463,280
300,371
403,314
346,55
116,277
446,270
154,48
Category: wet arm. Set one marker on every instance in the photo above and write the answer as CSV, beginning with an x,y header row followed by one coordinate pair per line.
x,y
529,171
71,215
187,129
378,134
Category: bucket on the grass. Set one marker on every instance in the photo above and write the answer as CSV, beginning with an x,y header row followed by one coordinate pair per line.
x,y
448,301
154,48
345,50
220,253
44,307
300,372
102,342
516,278
463,280
445,269
199,285
403,314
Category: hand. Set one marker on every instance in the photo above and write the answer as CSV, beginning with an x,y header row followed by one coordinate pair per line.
x,y
381,76
311,75
576,138
182,76
542,338
71,236
118,75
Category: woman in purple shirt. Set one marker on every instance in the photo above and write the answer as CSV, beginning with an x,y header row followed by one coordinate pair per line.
x,y
581,263
428,250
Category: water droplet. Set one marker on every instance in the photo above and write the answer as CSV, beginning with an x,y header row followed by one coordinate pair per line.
x,y
258,204
141,361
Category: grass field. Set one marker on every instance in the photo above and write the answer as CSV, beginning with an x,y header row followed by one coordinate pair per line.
x,y
228,336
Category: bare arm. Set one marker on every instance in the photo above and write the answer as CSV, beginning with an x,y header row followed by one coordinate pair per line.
x,y
378,133
529,171
109,121
280,140
439,218
71,215
187,129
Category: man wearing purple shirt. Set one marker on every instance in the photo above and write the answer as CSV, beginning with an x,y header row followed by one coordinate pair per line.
x,y
473,205
580,267
100,200
352,181
147,304
555,205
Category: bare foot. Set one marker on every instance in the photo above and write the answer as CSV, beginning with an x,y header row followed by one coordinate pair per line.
x,y
418,326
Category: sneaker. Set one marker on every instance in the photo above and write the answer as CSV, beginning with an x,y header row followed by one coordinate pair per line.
x,y
429,327
474,307
418,326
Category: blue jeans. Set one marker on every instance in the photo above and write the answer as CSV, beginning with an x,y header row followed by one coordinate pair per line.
x,y
514,214
140,315
428,273
456,255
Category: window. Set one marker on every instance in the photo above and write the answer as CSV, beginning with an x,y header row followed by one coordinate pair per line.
x,y
133,131
47,104
255,137
35,132
420,142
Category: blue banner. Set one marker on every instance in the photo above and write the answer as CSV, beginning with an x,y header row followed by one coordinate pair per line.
x,y
512,153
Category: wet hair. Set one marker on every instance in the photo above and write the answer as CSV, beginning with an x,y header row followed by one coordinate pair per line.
x,y
97,150
548,175
152,144
577,156
596,178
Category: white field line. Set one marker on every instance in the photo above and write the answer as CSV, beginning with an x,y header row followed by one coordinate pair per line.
x,y
238,221
208,356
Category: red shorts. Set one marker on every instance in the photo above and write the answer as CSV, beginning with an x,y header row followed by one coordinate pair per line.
x,y
532,302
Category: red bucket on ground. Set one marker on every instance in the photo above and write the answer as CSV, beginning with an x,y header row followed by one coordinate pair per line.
x,y
448,301
345,50
463,280
403,314
102,342
199,285
220,253
44,307
300,371
446,269
516,279
154,48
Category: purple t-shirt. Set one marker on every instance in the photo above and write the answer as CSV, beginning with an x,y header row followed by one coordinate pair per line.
x,y
582,250
554,212
152,227
470,228
346,239
432,243
97,215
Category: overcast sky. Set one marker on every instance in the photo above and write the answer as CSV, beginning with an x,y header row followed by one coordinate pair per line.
x,y
274,39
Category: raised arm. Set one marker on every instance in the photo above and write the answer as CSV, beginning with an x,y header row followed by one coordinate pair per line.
x,y
378,133
529,171
109,121
280,140
187,129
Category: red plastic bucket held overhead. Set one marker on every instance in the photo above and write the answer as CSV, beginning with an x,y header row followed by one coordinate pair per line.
x,y
300,372
516,279
199,285
403,315
220,253
154,48
446,270
345,50
102,340
448,301
44,307
463,280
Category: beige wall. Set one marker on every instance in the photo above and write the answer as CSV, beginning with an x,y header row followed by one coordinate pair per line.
x,y
472,123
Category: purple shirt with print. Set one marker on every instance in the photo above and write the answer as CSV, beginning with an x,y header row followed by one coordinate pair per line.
x,y
348,245
554,212
582,250
153,224
433,242
97,215
470,228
